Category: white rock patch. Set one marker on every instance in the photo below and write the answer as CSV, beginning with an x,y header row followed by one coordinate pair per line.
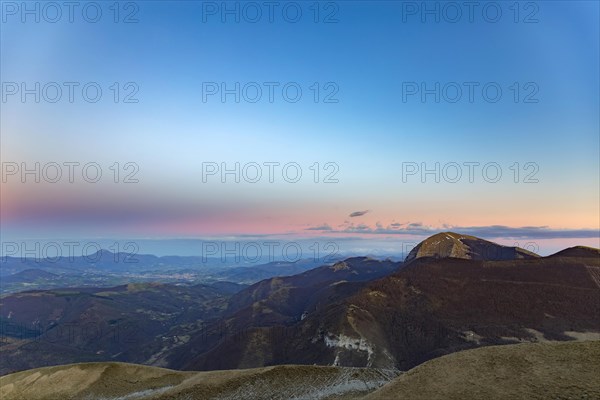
x,y
348,343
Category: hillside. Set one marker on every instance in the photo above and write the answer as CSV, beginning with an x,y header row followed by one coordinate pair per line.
x,y
147,323
124,323
525,371
357,269
437,306
262,325
129,381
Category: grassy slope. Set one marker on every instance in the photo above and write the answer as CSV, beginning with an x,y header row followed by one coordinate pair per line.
x,y
568,370
131,381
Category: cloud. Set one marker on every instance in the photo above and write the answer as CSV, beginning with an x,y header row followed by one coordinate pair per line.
x,y
485,232
527,232
358,213
362,228
324,227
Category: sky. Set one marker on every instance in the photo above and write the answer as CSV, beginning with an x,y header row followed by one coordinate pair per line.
x,y
379,122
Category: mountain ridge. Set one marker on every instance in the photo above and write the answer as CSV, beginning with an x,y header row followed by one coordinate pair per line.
x,y
429,307
356,312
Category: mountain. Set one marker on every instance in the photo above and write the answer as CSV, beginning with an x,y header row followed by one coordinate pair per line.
x,y
524,371
130,381
256,273
418,311
438,306
260,317
450,244
350,270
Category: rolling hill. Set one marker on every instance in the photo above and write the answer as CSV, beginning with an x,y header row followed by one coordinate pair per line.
x,y
112,381
525,371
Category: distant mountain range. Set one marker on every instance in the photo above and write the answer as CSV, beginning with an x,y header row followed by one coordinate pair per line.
x,y
105,268
453,292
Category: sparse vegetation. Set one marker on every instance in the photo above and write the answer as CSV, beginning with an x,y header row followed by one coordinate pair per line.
x,y
524,371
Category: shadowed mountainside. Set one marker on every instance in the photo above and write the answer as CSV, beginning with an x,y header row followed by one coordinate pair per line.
x,y
261,318
427,308
131,322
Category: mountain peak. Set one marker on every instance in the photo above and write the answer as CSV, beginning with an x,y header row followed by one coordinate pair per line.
x,y
456,245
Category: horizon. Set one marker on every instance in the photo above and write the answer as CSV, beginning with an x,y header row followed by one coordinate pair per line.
x,y
264,246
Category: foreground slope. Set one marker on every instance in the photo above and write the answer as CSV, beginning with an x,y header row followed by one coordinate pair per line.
x,y
567,370
128,381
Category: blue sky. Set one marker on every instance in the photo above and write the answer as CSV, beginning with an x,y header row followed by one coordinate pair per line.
x,y
367,56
